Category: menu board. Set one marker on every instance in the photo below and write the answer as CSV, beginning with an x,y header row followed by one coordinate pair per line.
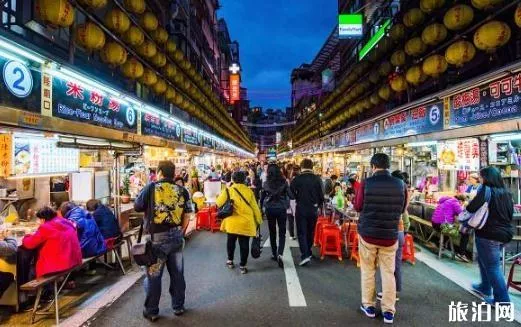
x,y
208,142
158,126
462,154
368,133
420,120
191,137
20,87
498,100
74,101
42,156
6,154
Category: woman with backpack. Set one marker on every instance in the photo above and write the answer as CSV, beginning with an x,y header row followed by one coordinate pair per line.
x,y
275,198
496,232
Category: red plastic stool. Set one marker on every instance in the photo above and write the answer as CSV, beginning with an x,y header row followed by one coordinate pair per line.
x,y
215,223
203,219
515,284
330,242
354,251
408,251
318,230
113,244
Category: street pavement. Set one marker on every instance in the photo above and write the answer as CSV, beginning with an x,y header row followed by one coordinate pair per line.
x,y
217,296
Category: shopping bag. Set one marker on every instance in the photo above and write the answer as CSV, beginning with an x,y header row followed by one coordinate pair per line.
x,y
477,219
256,246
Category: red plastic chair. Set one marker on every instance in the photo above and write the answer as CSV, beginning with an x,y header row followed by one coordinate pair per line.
x,y
408,251
321,221
215,223
354,251
110,244
203,219
515,284
330,242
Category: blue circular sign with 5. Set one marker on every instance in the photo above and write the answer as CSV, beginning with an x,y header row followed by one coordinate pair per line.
x,y
18,78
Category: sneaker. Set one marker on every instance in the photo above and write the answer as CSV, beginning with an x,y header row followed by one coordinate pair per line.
x,y
369,311
379,296
489,300
293,238
179,312
230,264
476,288
388,317
304,261
90,272
244,270
280,262
274,257
462,257
150,317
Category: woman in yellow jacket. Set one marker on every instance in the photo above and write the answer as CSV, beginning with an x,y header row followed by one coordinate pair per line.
x,y
243,223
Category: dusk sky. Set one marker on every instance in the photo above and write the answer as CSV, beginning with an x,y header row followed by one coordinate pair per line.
x,y
276,36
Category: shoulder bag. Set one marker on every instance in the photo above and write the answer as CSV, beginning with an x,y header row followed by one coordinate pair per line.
x,y
477,219
226,210
256,246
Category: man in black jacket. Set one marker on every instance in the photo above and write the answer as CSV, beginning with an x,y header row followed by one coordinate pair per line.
x,y
308,191
380,201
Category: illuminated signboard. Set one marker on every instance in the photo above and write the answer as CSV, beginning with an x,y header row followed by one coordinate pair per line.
x,y
374,39
235,88
350,26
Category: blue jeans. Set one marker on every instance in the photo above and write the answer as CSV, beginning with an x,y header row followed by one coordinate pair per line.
x,y
168,247
398,262
489,260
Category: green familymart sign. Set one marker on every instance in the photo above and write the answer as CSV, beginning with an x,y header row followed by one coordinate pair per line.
x,y
350,26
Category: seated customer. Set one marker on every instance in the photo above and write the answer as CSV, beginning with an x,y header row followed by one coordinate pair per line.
x,y
446,212
105,219
8,248
56,242
91,241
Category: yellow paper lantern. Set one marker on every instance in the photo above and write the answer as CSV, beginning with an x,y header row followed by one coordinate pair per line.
x,y
413,17
415,75
149,21
178,99
485,4
90,36
434,65
148,49
117,21
492,35
159,60
458,17
170,71
178,55
135,6
374,77
132,68
398,83
397,32
170,47
398,58
429,6
415,47
113,54
434,34
460,52
149,78
159,87
160,35
385,68
517,16
385,92
93,4
375,99
134,36
56,13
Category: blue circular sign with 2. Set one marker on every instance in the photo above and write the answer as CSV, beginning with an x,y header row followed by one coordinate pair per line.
x,y
18,78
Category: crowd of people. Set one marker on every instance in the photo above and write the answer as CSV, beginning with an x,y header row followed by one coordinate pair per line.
x,y
290,198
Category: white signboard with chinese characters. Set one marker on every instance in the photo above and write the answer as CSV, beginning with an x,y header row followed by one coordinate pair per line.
x,y
36,155
462,154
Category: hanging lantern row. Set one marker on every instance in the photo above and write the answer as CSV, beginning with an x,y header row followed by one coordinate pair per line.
x,y
488,37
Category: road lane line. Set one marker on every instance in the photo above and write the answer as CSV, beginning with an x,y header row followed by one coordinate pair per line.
x,y
295,295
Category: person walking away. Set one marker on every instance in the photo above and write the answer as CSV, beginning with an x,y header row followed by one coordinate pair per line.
x,y
105,219
8,248
309,196
275,198
167,207
244,221
292,203
380,201
494,235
